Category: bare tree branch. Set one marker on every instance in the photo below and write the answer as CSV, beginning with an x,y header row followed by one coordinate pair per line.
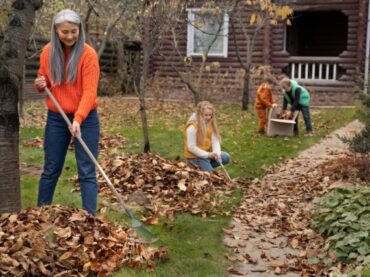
x,y
108,31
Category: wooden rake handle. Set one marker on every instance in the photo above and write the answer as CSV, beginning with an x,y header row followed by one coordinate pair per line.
x,y
224,169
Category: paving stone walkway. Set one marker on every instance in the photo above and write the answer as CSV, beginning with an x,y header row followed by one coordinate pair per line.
x,y
260,248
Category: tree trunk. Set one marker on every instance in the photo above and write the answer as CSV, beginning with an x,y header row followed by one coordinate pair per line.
x,y
144,118
21,93
12,58
246,82
196,98
147,48
121,65
144,122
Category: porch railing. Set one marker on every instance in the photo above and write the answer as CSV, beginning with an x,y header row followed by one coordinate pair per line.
x,y
314,68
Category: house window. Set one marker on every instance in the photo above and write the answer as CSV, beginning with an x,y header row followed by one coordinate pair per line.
x,y
317,33
206,29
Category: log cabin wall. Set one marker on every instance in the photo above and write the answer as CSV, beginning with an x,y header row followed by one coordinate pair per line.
x,y
343,69
223,83
349,62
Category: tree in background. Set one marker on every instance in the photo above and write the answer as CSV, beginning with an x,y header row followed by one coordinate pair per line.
x,y
261,14
195,71
12,58
152,21
100,18
210,22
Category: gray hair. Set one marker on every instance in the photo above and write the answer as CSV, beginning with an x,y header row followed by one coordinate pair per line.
x,y
56,51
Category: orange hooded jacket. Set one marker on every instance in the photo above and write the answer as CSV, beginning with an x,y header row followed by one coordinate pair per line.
x,y
264,97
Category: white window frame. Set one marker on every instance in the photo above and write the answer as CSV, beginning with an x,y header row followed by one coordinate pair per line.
x,y
190,36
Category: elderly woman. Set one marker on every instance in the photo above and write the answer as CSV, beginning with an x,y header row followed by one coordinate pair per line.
x,y
70,69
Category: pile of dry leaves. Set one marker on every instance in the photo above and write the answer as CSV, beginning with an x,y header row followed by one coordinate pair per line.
x,y
105,142
351,167
57,241
166,187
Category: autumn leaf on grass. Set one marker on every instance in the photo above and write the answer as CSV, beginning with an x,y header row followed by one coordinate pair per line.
x,y
236,271
154,220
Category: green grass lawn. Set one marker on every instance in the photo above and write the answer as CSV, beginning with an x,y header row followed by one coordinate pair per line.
x,y
195,244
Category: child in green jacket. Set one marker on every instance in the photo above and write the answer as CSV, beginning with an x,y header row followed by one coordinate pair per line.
x,y
299,99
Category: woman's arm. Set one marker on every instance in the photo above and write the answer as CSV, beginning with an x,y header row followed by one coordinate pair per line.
x,y
192,143
90,81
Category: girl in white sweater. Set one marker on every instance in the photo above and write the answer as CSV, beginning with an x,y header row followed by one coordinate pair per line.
x,y
202,139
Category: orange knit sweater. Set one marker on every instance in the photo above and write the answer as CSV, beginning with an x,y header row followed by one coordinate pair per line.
x,y
80,97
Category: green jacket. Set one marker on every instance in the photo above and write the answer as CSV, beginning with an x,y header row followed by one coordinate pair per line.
x,y
304,98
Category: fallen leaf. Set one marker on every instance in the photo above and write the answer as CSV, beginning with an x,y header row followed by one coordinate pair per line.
x,y
236,271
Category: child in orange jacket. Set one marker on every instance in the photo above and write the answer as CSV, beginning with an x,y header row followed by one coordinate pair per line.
x,y
264,101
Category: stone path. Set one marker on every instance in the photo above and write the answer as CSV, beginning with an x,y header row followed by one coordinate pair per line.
x,y
262,248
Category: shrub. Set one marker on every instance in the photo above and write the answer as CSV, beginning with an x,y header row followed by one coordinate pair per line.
x,y
344,217
360,143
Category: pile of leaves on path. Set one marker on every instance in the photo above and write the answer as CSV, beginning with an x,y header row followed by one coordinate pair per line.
x,y
351,168
166,187
279,206
105,142
60,242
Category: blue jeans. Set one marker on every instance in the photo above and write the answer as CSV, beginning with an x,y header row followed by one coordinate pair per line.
x,y
57,139
210,164
306,118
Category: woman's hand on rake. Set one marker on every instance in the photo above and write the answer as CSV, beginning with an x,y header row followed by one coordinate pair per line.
x,y
40,82
75,129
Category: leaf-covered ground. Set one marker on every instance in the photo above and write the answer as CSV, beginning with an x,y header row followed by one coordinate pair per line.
x,y
271,232
195,243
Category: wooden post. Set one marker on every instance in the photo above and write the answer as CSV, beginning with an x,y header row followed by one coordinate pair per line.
x,y
266,43
361,34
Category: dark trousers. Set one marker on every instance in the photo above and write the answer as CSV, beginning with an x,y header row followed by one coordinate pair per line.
x,y
57,139
306,117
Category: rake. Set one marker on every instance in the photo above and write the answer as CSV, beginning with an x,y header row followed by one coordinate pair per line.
x,y
135,223
224,169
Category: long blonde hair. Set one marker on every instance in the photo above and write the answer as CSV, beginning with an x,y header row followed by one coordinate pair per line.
x,y
201,123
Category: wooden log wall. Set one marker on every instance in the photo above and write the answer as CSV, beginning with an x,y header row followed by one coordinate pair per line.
x,y
229,67
270,50
351,60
